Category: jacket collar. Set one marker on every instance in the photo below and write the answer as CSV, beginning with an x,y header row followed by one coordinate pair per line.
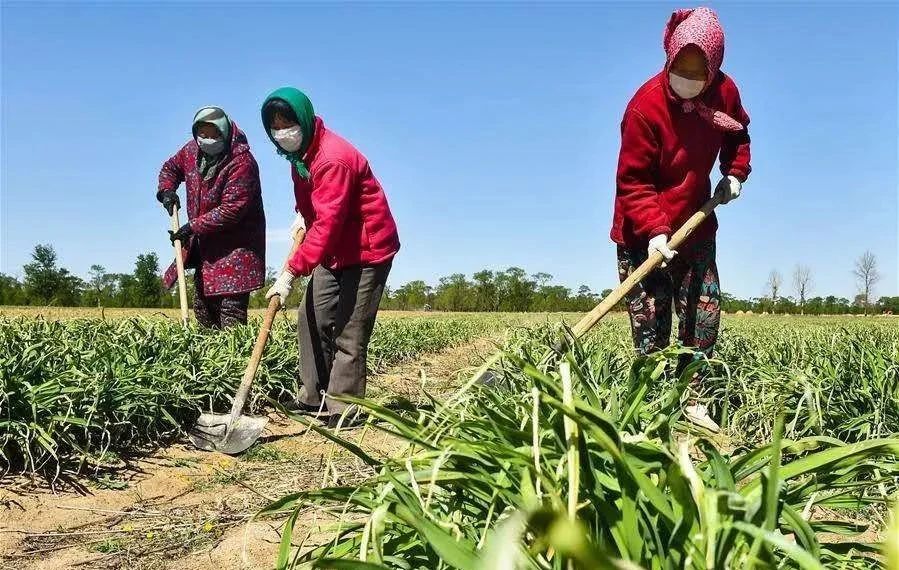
x,y
312,151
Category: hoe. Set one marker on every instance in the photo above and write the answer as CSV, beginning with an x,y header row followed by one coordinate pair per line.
x,y
652,262
234,432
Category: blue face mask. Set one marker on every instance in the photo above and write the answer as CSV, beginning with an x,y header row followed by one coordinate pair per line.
x,y
211,147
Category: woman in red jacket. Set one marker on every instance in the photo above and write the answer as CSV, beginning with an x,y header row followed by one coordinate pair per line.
x,y
674,128
350,242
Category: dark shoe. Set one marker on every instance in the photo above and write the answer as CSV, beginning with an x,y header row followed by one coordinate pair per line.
x,y
345,421
303,409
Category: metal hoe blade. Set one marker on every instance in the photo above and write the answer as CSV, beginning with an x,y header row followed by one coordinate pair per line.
x,y
211,432
234,432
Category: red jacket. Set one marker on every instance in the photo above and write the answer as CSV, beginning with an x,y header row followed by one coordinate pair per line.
x,y
348,221
667,156
226,215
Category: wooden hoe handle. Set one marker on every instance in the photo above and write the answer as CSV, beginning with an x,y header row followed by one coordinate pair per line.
x,y
179,265
274,305
652,262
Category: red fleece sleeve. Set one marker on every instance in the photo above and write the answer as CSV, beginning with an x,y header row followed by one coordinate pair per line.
x,y
172,174
635,181
241,190
735,155
331,192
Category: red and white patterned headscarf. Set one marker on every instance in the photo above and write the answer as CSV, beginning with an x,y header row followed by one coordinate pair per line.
x,y
699,27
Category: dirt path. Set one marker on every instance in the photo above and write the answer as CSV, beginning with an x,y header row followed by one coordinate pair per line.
x,y
181,509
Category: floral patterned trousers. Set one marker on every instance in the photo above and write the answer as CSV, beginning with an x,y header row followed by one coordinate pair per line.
x,y
690,283
220,311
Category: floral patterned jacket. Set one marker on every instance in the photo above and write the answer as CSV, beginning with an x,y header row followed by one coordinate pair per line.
x,y
226,215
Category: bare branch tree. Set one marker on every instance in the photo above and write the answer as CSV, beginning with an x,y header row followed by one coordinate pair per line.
x,y
775,280
867,274
802,283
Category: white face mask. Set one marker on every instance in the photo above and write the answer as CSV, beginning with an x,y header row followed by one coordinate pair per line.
x,y
211,147
290,139
685,88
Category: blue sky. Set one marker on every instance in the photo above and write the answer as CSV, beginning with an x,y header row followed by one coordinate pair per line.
x,y
493,128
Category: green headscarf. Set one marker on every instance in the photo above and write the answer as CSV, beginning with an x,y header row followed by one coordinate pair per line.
x,y
302,108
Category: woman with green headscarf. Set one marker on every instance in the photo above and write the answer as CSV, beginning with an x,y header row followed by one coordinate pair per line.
x,y
351,239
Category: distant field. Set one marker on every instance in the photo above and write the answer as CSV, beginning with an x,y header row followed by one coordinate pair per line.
x,y
113,314
65,313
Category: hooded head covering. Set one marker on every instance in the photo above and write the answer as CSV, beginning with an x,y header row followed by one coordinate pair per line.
x,y
209,165
305,114
699,27
214,116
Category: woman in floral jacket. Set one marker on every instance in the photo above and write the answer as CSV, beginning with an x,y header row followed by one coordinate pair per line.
x,y
224,236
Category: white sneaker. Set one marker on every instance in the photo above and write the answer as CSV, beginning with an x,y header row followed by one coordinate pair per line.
x,y
698,414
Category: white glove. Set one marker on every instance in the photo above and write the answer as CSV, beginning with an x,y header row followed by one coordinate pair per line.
x,y
281,287
728,189
660,244
298,224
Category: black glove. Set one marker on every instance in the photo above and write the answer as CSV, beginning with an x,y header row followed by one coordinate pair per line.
x,y
169,199
183,234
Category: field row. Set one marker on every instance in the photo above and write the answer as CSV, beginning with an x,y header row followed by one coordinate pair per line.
x,y
83,390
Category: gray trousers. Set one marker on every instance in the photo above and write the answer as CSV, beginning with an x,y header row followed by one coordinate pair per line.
x,y
336,319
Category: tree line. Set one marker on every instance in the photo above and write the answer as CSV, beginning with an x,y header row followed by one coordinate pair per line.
x,y
867,275
45,283
511,290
